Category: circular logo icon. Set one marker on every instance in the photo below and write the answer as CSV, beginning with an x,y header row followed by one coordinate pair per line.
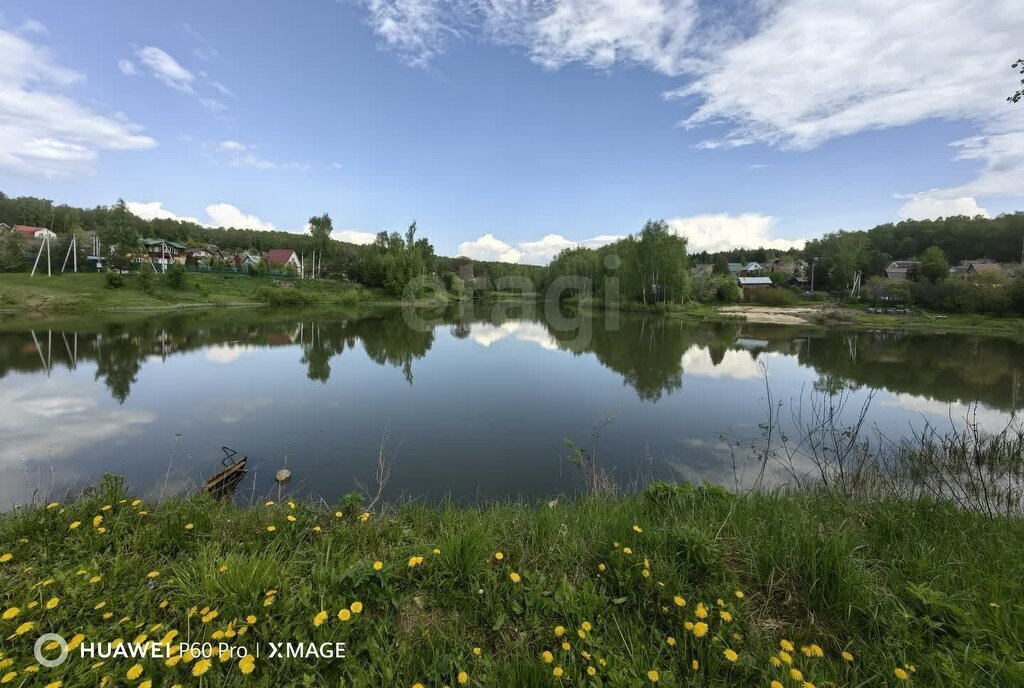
x,y
45,639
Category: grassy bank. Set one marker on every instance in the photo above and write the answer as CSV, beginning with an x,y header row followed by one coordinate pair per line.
x,y
679,586
88,292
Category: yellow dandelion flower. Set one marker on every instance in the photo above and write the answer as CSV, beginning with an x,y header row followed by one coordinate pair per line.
x,y
688,625
291,518
738,594
146,684
586,626
901,674
559,631
356,607
730,654
796,674
776,684
75,524
847,656
152,574
417,685
515,577
189,526
54,684
134,672
24,628
6,557
271,528
701,612
694,665
378,565
601,567
269,600
210,616
96,521
10,613
671,641
566,646
201,667
637,529
627,550
786,657
786,645
338,514
547,656
591,671
477,651
679,601
291,504
557,671
52,505
726,616
364,517
247,664
415,561
8,677
775,661
653,676
700,629
320,618
344,615
582,634
463,677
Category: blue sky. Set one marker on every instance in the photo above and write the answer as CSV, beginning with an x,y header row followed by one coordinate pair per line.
x,y
509,128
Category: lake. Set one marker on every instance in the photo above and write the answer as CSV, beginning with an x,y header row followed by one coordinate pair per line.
x,y
474,404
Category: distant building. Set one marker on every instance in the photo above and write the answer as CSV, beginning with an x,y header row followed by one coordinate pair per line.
x,y
901,269
163,252
983,266
755,283
751,268
34,232
282,258
244,259
735,268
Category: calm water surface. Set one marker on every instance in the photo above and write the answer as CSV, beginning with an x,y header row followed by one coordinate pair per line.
x,y
472,405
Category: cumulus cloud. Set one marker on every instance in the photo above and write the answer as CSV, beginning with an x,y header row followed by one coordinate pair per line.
x,y
166,69
219,215
722,232
127,67
924,207
44,133
353,236
489,247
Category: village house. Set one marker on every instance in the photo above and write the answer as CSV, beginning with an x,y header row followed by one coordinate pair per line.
x,y
203,254
246,259
754,283
975,267
901,269
751,269
283,258
163,253
34,232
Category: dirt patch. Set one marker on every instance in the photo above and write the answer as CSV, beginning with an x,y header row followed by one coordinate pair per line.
x,y
773,315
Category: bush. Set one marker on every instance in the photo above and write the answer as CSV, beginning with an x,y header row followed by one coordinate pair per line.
x,y
715,289
986,293
175,276
114,280
283,297
771,297
146,278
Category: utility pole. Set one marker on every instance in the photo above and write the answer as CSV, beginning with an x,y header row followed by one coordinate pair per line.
x,y
814,261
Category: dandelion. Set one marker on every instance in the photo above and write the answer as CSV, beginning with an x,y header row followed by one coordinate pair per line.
x,y
134,672
74,524
251,619
96,521
271,528
291,504
547,656
356,607
586,626
498,556
796,674
477,651
559,631
364,517
52,505
6,557
700,629
557,671
8,677
815,651
338,514
24,628
701,612
515,577
436,551
591,671
786,645
378,565
52,602
566,646
671,641
775,661
786,657
582,634
901,674
320,618
463,677
223,568
776,684
679,601
637,529
152,574
738,594
10,613
210,616
627,550
808,684
343,615
601,567
291,519
415,561
730,654
653,676
726,616
201,667
417,685
54,684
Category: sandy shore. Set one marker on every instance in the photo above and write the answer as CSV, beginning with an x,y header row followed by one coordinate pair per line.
x,y
772,315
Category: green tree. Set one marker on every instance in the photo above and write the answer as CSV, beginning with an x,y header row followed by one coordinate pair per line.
x,y
320,228
934,267
120,237
12,254
721,265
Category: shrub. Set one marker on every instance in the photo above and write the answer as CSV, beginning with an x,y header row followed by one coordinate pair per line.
x,y
715,288
175,276
146,278
114,280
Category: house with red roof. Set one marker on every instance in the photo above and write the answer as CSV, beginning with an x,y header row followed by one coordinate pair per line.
x,y
280,258
34,232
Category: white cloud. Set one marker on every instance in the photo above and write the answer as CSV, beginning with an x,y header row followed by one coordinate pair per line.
x,y
541,252
226,215
166,69
219,214
46,134
488,247
213,105
735,365
721,232
414,29
154,210
924,207
33,26
127,67
486,334
353,236
231,146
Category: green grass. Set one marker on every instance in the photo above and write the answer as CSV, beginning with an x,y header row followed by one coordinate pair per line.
x,y
87,292
894,583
